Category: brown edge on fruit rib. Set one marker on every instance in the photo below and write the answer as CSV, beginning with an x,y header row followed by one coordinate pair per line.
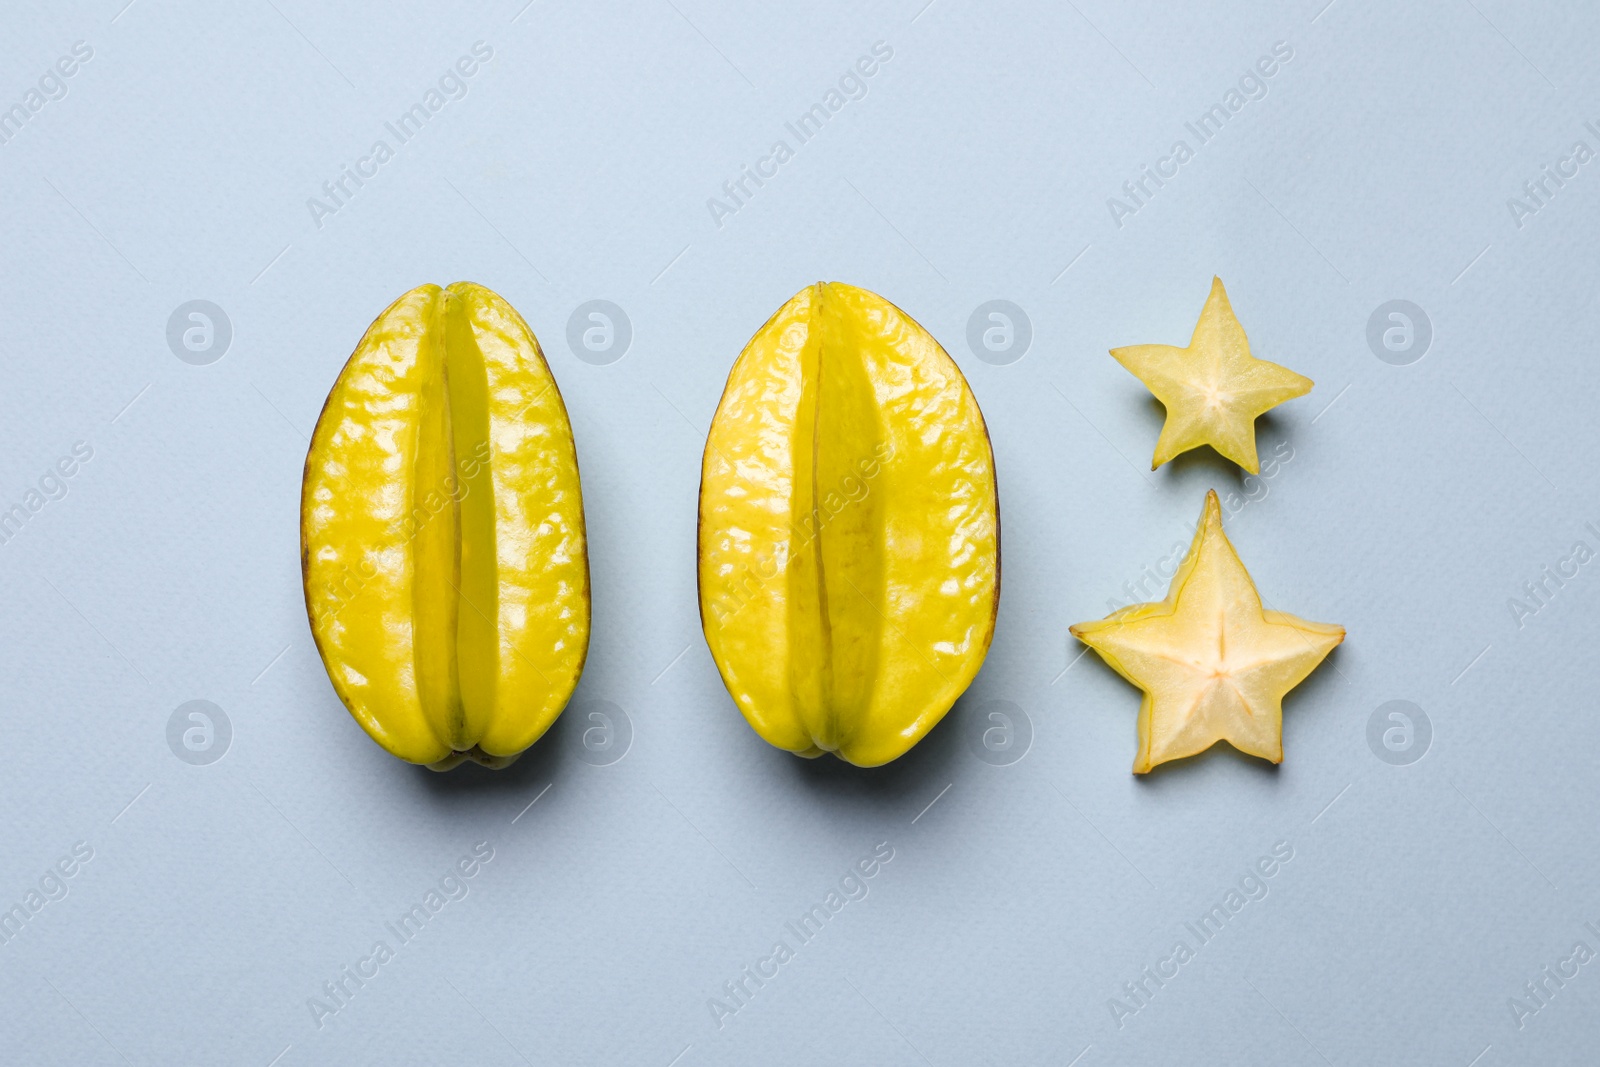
x,y
700,497
475,754
994,472
999,556
305,481
700,513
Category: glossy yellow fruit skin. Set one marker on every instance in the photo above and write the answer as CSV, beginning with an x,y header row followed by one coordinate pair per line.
x,y
849,543
442,539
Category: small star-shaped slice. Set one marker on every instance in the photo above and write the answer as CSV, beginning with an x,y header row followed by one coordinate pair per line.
x,y
1214,389
1213,663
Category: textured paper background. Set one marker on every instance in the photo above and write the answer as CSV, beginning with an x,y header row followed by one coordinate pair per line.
x,y
1422,492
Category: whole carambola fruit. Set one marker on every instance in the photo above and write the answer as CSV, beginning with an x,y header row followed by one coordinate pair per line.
x,y
849,548
441,533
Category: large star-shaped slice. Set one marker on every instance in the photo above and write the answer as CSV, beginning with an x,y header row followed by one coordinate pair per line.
x,y
1214,389
1213,663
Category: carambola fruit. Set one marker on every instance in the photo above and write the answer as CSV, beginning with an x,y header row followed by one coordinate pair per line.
x,y
442,540
849,544
1214,662
1213,390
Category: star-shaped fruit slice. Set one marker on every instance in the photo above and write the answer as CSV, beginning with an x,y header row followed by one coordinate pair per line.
x,y
1213,390
1213,663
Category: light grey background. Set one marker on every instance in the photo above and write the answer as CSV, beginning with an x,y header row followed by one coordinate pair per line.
x,y
1022,896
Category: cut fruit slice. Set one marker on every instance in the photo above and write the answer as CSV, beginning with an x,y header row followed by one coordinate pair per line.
x,y
1213,661
849,549
1214,390
442,539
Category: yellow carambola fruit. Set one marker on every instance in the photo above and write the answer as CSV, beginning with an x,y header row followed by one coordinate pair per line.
x,y
441,533
1214,390
849,548
1214,662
